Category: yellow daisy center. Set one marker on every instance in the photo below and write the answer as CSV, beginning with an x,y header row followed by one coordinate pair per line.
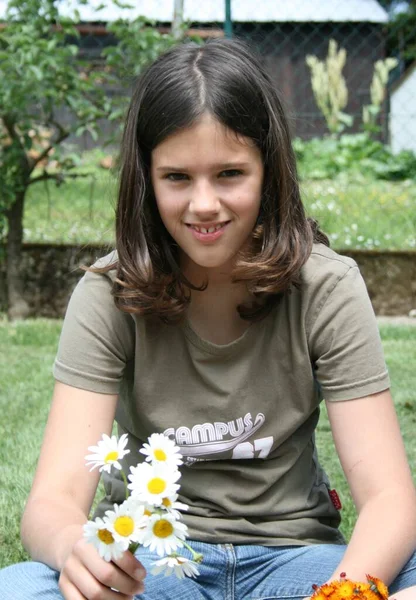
x,y
124,526
166,502
160,454
105,536
147,513
162,528
156,485
111,456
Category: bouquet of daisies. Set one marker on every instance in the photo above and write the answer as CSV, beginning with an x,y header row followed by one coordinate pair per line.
x,y
150,514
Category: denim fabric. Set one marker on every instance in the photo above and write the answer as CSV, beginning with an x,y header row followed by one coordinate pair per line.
x,y
227,573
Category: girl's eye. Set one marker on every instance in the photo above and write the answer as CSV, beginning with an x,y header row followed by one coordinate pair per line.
x,y
176,176
231,173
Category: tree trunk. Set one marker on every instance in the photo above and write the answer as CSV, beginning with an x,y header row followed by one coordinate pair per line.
x,y
18,308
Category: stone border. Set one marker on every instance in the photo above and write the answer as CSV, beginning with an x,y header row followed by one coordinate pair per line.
x,y
51,271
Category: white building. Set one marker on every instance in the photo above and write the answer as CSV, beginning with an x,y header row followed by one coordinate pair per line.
x,y
403,112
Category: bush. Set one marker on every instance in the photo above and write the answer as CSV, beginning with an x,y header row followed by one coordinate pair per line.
x,y
324,158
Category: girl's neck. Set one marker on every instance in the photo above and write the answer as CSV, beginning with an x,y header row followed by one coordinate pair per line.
x,y
212,312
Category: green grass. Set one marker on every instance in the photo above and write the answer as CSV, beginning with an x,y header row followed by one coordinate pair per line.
x,y
356,213
79,211
26,384
364,214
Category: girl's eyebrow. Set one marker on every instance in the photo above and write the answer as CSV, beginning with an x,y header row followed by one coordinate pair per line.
x,y
218,166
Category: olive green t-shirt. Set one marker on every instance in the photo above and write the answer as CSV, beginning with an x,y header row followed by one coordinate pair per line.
x,y
243,413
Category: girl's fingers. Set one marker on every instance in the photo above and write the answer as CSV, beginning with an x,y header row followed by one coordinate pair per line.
x,y
112,576
68,590
108,574
90,588
130,565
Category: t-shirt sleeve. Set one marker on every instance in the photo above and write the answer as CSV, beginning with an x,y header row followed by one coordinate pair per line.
x,y
345,343
97,339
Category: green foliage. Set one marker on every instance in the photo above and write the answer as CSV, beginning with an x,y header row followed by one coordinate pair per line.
x,y
140,43
323,158
358,212
401,35
331,94
330,88
41,74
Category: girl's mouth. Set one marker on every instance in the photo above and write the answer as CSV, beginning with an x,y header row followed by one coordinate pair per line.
x,y
208,234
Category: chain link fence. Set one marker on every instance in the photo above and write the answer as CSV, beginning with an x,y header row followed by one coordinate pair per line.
x,y
285,34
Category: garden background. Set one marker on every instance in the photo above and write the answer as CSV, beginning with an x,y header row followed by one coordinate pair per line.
x,y
65,77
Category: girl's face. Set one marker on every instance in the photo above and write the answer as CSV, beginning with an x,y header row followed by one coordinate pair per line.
x,y
208,185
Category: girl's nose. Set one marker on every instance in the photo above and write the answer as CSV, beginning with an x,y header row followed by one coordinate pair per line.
x,y
204,200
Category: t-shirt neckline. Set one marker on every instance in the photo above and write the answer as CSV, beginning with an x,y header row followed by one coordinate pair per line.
x,y
222,349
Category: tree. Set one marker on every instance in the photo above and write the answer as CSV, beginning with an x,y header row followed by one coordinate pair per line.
x,y
401,36
401,30
41,74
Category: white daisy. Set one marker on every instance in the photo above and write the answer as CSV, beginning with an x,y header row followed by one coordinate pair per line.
x,y
161,449
126,522
172,506
180,566
149,509
164,534
152,483
97,533
107,453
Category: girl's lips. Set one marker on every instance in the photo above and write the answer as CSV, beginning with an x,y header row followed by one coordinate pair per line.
x,y
208,237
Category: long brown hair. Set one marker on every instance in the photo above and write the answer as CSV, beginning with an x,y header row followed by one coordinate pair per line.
x,y
225,79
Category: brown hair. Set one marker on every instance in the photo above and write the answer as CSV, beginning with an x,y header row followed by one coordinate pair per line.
x,y
225,79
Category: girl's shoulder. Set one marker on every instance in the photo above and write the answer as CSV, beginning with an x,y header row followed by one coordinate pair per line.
x,y
332,286
325,267
97,282
108,261
93,299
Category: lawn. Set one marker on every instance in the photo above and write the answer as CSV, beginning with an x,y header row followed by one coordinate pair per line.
x,y
356,212
25,390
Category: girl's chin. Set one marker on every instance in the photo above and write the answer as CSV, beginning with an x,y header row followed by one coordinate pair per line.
x,y
192,263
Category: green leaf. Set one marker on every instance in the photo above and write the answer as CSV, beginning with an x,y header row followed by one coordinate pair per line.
x,y
37,72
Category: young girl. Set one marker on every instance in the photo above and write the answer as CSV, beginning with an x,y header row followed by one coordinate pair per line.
x,y
222,321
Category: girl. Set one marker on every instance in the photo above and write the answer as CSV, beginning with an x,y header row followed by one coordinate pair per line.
x,y
222,321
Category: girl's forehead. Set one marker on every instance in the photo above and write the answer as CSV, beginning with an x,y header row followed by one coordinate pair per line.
x,y
206,138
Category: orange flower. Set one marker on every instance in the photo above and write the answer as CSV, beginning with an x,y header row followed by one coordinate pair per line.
x,y
381,588
345,589
371,595
321,596
326,590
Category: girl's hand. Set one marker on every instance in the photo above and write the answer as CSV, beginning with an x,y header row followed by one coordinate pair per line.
x,y
86,576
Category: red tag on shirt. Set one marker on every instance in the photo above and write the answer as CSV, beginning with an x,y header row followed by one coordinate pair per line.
x,y
335,499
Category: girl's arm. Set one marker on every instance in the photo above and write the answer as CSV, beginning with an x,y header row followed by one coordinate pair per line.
x,y
371,451
62,495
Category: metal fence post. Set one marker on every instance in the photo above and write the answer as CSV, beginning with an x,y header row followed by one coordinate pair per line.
x,y
228,24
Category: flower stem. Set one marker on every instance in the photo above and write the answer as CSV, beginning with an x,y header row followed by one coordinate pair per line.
x,y
133,547
196,556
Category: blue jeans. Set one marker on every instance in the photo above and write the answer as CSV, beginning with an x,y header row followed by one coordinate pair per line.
x,y
227,573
